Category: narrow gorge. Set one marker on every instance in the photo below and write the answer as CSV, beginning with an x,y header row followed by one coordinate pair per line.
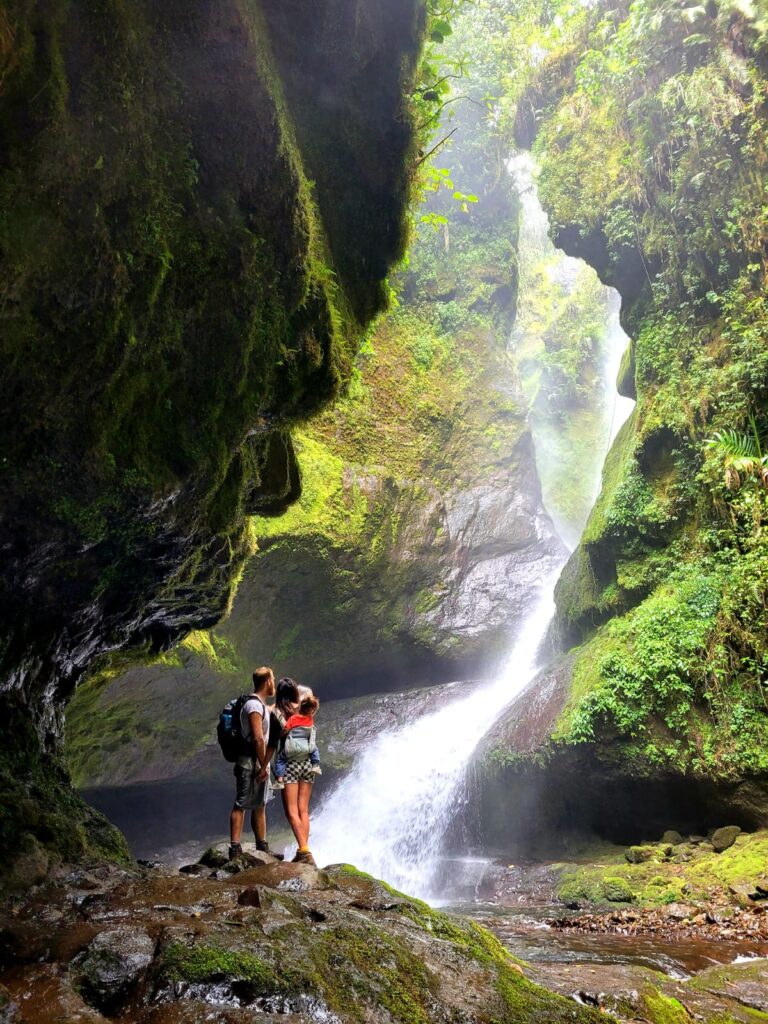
x,y
420,351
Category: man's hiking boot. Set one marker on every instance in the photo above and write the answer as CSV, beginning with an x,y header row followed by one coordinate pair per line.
x,y
235,851
304,857
263,847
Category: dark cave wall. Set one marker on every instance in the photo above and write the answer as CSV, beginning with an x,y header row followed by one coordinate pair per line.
x,y
174,295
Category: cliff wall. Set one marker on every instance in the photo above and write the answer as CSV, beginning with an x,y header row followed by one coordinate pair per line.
x,y
192,239
650,125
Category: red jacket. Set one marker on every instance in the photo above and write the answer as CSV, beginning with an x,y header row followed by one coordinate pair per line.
x,y
296,720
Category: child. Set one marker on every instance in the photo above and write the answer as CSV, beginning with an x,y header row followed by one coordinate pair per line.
x,y
298,745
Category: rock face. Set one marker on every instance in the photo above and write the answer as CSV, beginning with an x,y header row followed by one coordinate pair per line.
x,y
174,295
418,551
724,837
112,964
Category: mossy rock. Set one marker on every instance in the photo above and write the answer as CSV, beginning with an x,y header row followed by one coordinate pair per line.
x,y
617,890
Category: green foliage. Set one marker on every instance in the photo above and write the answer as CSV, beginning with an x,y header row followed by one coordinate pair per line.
x,y
659,679
651,135
647,159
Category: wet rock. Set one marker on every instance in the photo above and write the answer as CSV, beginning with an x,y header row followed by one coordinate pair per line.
x,y
640,994
286,877
363,891
194,869
695,840
7,1008
679,911
216,856
747,983
43,994
721,915
112,964
748,892
672,838
725,837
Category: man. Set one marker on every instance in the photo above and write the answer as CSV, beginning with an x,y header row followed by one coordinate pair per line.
x,y
252,768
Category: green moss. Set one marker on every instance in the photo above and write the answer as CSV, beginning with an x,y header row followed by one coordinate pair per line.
x,y
41,816
664,879
665,1009
399,982
617,890
645,678
665,536
200,963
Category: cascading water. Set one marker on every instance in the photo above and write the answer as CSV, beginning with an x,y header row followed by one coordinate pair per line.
x,y
569,450
391,814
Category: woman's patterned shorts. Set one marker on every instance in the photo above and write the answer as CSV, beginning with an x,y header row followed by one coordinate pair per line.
x,y
299,771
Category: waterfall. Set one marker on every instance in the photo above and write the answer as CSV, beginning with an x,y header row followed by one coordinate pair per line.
x,y
390,815
569,455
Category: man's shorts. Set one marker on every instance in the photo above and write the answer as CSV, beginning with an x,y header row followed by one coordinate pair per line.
x,y
250,792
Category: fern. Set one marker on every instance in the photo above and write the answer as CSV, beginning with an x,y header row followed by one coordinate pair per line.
x,y
742,454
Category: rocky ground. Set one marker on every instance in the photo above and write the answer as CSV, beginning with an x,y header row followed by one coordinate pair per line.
x,y
255,941
722,994
259,940
693,904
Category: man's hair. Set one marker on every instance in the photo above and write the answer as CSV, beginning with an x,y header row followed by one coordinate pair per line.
x,y
309,705
262,676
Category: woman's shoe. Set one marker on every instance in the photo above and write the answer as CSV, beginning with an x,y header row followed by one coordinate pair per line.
x,y
304,857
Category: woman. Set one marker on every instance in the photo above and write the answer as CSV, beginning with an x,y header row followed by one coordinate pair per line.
x,y
297,790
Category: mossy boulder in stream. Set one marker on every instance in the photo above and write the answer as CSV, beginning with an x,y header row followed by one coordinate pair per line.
x,y
193,238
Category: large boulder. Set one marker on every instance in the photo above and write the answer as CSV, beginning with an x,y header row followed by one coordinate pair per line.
x,y
725,837
113,964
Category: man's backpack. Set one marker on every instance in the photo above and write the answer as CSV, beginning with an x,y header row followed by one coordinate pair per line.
x,y
228,731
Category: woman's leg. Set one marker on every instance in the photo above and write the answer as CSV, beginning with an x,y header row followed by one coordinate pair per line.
x,y
291,808
304,796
